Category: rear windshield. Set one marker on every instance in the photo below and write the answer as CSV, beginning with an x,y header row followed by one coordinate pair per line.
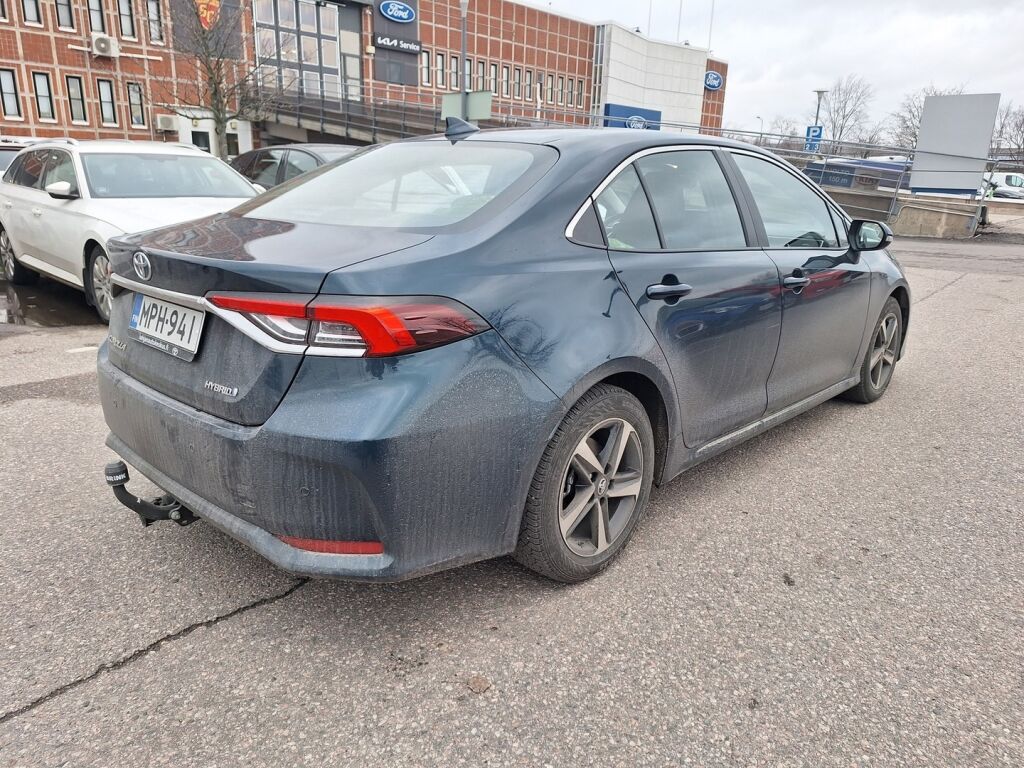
x,y
134,175
415,185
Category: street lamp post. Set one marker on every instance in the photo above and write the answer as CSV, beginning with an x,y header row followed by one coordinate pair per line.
x,y
760,131
817,112
464,7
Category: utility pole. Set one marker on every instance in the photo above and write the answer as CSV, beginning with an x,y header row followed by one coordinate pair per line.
x,y
464,7
817,112
760,132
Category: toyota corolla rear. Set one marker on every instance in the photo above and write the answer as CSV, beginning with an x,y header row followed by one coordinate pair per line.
x,y
371,434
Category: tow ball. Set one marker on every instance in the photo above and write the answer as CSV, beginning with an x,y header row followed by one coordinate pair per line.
x,y
149,512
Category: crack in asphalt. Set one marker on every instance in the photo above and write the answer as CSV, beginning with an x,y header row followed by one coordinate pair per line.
x,y
940,289
154,646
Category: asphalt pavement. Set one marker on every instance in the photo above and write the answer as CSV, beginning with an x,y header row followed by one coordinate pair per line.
x,y
847,589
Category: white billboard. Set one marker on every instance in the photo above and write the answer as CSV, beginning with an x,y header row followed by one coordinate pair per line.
x,y
953,143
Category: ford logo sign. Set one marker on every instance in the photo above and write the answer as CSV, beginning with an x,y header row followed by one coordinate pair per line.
x,y
397,11
143,268
713,80
636,121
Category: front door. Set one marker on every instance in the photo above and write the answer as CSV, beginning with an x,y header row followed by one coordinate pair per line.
x,y
60,239
680,248
826,286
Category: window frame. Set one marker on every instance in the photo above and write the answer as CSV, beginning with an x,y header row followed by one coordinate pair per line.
x,y
95,10
493,72
76,188
38,22
454,64
84,120
156,22
517,83
65,5
113,101
52,118
440,65
506,82
425,69
126,12
16,95
751,232
142,105
755,212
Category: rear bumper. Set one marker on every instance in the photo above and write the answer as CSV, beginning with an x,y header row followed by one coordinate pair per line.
x,y
431,454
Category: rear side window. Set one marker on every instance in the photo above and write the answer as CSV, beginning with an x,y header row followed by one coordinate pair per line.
x,y
695,207
12,169
298,163
30,170
264,170
626,215
422,185
794,215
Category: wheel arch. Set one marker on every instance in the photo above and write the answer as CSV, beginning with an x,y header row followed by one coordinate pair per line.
x,y
91,242
902,296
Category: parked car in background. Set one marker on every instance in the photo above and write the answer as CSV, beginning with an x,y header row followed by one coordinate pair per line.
x,y
448,349
61,201
275,165
1005,185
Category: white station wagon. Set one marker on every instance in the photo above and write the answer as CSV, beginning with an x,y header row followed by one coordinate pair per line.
x,y
60,201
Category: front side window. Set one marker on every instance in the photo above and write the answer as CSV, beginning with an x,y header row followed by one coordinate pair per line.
x,y
30,9
44,97
151,175
264,170
626,215
60,167
108,111
96,21
297,164
693,202
126,18
65,17
136,112
76,99
837,219
423,185
9,92
156,21
794,215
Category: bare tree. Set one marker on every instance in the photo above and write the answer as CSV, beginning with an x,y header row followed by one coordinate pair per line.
x,y
906,121
1011,134
844,110
214,74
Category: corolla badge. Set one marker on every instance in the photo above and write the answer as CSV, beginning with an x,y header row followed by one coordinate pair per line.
x,y
397,11
143,268
635,121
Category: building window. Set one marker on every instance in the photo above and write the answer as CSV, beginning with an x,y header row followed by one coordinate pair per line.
x,y
579,96
494,79
455,73
561,89
3,10
570,90
263,10
44,98
136,113
108,111
9,91
505,85
76,98
517,83
467,74
30,8
551,89
156,21
528,90
538,95
286,13
481,75
425,68
96,21
126,17
439,60
65,17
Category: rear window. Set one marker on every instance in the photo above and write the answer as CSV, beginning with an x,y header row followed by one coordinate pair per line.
x,y
416,185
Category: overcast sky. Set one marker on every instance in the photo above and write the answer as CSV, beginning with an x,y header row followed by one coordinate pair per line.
x,y
779,51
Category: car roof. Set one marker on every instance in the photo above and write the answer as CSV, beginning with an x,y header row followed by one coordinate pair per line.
x,y
310,147
596,139
119,146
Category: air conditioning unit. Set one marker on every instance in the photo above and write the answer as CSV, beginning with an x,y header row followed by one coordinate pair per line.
x,y
104,45
167,122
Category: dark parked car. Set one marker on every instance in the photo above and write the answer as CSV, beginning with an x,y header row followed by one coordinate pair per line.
x,y
271,166
440,351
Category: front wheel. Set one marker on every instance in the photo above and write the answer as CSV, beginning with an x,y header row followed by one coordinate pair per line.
x,y
879,362
590,488
97,283
14,273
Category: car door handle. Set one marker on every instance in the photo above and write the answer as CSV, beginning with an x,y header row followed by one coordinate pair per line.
x,y
662,291
8,204
37,212
796,283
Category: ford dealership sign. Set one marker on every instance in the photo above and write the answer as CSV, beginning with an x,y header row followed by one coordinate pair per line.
x,y
636,121
394,10
713,81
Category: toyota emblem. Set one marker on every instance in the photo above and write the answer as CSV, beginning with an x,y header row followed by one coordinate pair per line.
x,y
142,266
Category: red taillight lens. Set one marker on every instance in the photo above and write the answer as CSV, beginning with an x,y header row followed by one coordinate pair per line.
x,y
329,547
370,326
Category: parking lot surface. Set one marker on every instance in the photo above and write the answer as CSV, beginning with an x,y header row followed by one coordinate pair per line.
x,y
847,589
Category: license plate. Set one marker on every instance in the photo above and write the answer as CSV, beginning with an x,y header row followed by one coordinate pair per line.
x,y
168,327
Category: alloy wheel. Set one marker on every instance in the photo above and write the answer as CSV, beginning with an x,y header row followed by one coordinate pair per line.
x,y
7,254
601,487
101,283
883,352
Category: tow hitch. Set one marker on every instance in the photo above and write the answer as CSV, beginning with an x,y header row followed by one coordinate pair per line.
x,y
149,512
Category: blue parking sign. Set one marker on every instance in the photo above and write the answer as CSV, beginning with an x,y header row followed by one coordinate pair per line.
x,y
812,138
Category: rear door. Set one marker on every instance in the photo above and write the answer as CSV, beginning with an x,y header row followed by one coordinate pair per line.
x,y
21,203
826,286
687,255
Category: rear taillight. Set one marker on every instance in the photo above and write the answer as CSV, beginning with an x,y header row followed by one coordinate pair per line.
x,y
355,325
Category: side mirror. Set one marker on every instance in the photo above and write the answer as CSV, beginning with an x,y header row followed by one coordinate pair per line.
x,y
61,190
869,235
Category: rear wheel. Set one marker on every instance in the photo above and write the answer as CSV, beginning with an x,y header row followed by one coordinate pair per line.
x,y
879,362
590,488
13,271
97,283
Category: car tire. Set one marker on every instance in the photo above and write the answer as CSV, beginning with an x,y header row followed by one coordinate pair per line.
x,y
13,272
879,363
97,283
579,516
